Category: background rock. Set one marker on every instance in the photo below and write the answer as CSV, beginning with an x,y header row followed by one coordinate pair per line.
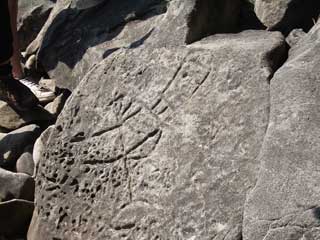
x,y
73,41
13,144
88,37
25,164
15,186
166,146
57,105
11,119
295,36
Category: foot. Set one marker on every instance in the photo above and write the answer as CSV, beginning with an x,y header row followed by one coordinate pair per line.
x,y
16,94
43,94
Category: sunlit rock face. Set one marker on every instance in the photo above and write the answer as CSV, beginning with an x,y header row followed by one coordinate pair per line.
x,y
165,148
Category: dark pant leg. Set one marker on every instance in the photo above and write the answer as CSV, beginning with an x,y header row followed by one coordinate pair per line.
x,y
6,48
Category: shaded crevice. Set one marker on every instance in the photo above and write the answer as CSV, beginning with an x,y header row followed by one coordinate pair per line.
x,y
277,57
221,16
299,14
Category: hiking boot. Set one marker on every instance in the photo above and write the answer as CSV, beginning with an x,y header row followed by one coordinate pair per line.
x,y
16,94
43,94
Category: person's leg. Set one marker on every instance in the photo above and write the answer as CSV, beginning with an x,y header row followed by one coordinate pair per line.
x,y
16,57
6,46
11,91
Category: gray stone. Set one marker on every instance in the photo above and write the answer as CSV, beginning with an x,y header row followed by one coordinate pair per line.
x,y
11,119
13,144
57,105
15,186
165,148
295,36
50,84
286,15
25,164
15,216
31,18
284,203
271,12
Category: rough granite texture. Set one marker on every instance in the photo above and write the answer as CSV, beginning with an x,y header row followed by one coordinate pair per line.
x,y
285,201
167,146
73,41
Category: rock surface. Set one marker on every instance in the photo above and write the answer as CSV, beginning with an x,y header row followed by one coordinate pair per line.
x,y
295,36
56,106
25,164
13,144
32,16
285,201
83,35
167,146
88,37
15,186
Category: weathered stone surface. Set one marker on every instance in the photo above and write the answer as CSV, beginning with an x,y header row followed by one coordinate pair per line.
x,y
32,16
83,35
295,36
13,144
15,216
271,12
57,105
25,164
166,146
285,201
15,186
286,15
11,119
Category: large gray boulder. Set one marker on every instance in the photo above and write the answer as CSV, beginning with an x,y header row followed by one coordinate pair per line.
x,y
14,143
286,15
165,148
285,201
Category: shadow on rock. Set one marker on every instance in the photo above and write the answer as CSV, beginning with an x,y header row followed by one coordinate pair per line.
x,y
300,14
74,31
